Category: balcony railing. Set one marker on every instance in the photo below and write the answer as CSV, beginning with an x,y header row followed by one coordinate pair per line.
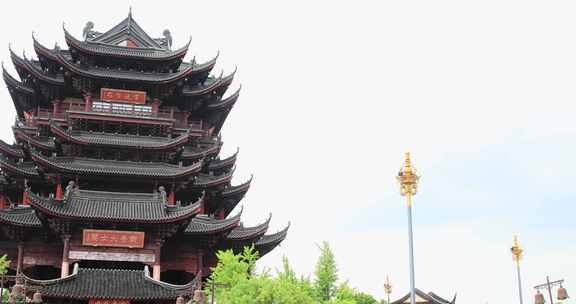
x,y
180,121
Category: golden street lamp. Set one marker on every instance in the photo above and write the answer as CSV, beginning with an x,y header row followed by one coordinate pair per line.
x,y
517,256
387,289
408,181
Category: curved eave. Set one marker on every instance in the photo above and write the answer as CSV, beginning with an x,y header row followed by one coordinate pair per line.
x,y
222,83
130,76
249,233
24,169
133,285
43,51
22,136
227,102
24,217
268,242
239,190
14,84
54,208
202,226
212,150
99,49
114,168
25,64
11,150
207,181
69,137
219,164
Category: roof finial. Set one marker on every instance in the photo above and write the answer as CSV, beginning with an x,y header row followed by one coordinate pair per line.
x,y
130,11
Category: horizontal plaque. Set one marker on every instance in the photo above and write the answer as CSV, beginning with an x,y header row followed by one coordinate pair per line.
x,y
98,301
111,256
125,96
113,238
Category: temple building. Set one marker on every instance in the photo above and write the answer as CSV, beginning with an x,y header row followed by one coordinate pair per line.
x,y
425,298
114,190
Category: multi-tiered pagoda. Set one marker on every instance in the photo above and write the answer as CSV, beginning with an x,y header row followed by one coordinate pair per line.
x,y
114,190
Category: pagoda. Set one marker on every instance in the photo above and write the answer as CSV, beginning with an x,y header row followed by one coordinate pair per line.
x,y
114,190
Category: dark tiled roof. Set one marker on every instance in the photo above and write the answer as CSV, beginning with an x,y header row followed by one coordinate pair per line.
x,y
201,151
269,241
227,102
11,150
206,180
34,69
45,143
210,85
114,207
122,51
431,298
126,29
203,224
127,285
26,169
184,70
239,190
119,140
11,82
20,216
241,233
228,162
78,165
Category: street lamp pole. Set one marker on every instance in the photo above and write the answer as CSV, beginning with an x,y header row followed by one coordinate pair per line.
x,y
517,256
408,181
387,289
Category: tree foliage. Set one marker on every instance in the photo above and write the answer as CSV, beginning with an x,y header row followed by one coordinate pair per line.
x,y
4,264
326,273
237,283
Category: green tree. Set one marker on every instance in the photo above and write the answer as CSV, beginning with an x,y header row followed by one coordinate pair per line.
x,y
326,274
238,284
4,264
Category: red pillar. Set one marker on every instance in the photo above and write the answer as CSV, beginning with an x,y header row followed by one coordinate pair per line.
x,y
221,214
88,102
171,198
55,107
25,199
58,190
155,106
2,200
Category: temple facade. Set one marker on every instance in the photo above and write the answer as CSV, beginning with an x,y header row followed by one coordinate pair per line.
x,y
114,190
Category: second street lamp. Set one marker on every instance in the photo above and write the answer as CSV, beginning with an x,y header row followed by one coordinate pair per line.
x,y
408,181
517,256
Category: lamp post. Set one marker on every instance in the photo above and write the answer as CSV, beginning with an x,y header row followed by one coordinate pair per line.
x,y
517,256
387,289
408,181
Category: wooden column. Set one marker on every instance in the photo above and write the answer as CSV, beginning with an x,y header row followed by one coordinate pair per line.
x,y
55,107
20,260
156,267
58,188
170,200
155,106
65,270
88,102
2,199
201,260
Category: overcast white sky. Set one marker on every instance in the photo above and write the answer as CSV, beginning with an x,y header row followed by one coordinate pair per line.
x,y
333,94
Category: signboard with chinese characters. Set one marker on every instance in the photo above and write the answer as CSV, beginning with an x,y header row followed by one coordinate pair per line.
x,y
125,96
113,238
99,301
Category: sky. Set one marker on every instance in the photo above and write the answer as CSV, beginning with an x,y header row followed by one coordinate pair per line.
x,y
334,92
